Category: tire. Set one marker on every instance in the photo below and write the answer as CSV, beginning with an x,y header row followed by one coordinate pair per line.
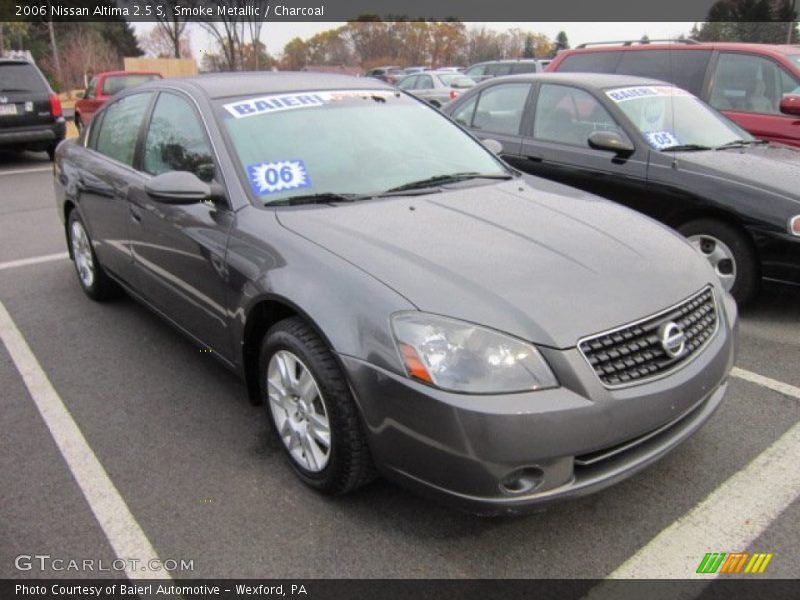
x,y
346,463
92,278
51,152
78,123
731,254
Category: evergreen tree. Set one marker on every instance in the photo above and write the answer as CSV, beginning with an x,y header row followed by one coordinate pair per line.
x,y
529,51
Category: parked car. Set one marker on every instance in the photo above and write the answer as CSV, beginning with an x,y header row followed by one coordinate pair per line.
x,y
387,74
399,299
660,150
30,112
410,70
752,84
495,68
105,85
457,69
436,87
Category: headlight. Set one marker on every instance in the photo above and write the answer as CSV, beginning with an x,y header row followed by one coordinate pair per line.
x,y
463,357
794,225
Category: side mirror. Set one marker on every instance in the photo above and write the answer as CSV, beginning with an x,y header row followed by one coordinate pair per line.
x,y
790,105
610,140
178,187
493,146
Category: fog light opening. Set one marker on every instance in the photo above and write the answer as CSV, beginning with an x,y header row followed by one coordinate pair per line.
x,y
522,481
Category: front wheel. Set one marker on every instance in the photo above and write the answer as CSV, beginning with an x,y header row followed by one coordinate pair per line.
x,y
311,409
730,253
93,279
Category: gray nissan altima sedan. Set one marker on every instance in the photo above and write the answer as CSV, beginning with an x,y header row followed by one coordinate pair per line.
x,y
400,300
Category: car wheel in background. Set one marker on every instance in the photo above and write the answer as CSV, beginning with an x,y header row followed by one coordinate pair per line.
x,y
78,122
51,152
730,253
91,276
311,409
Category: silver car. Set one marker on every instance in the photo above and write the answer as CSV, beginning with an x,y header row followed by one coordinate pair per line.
x,y
436,87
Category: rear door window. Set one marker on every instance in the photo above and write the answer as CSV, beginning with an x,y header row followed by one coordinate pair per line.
x,y
424,82
684,68
119,129
408,83
749,83
500,108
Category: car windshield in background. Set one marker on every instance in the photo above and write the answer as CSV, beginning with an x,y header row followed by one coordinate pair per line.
x,y
20,77
114,85
345,143
673,119
456,80
795,58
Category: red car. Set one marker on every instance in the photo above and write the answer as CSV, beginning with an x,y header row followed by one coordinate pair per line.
x,y
103,86
755,85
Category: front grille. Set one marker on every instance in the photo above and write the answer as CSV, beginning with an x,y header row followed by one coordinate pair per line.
x,y
634,353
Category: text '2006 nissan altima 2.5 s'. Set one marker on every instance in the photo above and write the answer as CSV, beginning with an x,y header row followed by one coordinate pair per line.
x,y
399,299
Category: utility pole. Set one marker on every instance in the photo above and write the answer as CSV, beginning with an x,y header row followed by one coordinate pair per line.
x,y
790,34
53,45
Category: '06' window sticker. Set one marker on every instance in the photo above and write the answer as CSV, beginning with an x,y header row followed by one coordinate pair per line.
x,y
277,176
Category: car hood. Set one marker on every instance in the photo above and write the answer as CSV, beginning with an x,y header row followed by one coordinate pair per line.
x,y
541,265
772,167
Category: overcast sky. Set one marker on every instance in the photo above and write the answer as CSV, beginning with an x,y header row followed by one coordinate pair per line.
x,y
275,35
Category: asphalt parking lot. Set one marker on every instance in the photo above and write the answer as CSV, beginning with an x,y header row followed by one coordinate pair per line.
x,y
191,458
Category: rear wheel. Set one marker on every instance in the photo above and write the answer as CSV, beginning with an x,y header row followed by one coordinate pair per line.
x,y
91,276
730,253
51,152
311,409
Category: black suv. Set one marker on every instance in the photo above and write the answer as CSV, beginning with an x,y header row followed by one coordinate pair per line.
x,y
30,112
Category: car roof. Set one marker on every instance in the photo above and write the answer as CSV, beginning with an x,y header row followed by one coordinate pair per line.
x,y
773,49
592,80
505,61
227,85
119,73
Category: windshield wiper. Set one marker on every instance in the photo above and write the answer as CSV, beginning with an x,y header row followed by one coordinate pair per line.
x,y
685,148
740,143
321,198
445,179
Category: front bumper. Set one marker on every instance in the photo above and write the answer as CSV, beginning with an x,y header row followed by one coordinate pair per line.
x,y
568,442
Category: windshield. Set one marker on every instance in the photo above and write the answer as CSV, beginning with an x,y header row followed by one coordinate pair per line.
x,y
346,142
456,80
670,117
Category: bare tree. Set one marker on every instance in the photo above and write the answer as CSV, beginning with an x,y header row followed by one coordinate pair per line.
x,y
228,31
173,26
254,29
